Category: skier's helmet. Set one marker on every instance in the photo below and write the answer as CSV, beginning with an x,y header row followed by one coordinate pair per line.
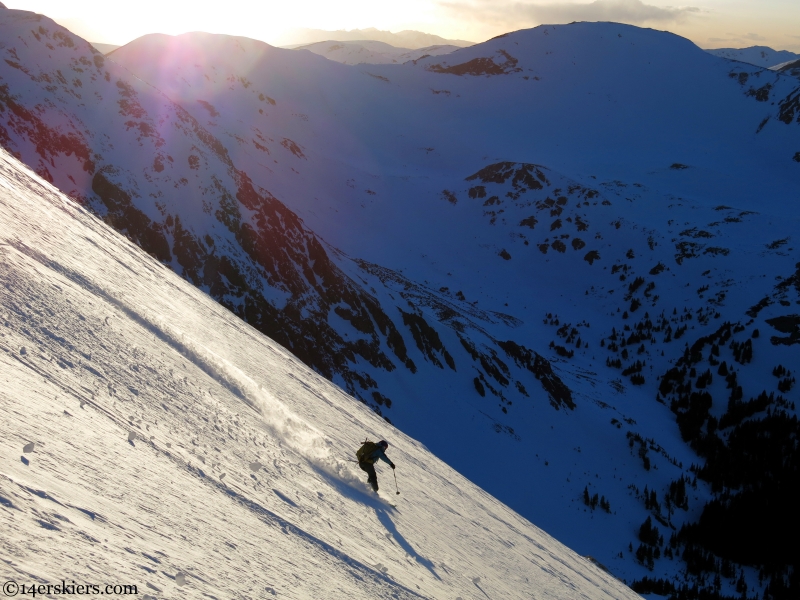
x,y
383,444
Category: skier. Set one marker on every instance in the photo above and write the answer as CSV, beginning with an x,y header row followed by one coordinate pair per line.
x,y
368,454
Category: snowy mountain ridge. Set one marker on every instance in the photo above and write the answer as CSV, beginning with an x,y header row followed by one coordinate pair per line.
x,y
762,56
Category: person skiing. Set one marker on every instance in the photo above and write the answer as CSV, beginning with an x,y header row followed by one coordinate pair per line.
x,y
368,454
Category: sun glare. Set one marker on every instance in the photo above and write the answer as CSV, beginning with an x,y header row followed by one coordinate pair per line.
x,y
273,22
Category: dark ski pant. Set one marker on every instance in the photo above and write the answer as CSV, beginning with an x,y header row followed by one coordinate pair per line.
x,y
373,476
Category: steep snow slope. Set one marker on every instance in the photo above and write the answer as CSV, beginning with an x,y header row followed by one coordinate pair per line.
x,y
761,56
168,445
372,52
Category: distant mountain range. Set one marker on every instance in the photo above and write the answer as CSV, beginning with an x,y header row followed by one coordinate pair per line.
x,y
564,259
762,56
402,39
375,45
371,52
105,48
381,47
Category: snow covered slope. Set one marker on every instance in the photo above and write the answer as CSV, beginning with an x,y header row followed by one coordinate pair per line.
x,y
151,438
372,52
761,56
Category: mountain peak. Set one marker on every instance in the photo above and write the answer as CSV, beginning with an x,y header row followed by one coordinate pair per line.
x,y
580,48
762,56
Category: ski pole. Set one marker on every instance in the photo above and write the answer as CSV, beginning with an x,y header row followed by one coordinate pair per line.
x,y
395,482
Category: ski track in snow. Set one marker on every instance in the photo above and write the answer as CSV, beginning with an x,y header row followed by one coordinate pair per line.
x,y
169,451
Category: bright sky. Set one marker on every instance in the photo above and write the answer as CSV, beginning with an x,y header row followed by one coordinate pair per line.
x,y
709,23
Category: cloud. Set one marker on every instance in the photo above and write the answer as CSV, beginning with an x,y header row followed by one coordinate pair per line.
x,y
513,13
740,38
623,11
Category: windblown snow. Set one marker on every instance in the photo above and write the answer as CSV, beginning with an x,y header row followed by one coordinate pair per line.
x,y
151,438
